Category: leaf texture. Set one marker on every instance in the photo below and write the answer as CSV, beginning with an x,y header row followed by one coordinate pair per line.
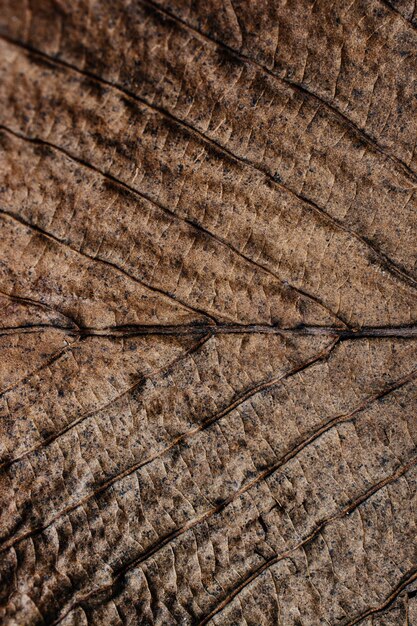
x,y
208,313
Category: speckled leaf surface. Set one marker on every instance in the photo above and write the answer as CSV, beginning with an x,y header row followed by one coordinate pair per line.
x,y
208,313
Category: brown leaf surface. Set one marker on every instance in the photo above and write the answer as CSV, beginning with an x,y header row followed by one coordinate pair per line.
x,y
207,328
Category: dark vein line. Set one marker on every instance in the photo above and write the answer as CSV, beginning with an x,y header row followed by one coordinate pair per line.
x,y
194,225
410,578
407,331
281,556
30,329
389,263
43,233
41,305
180,330
247,394
52,359
174,534
335,111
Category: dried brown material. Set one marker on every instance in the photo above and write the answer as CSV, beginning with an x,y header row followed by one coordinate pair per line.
x,y
208,313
